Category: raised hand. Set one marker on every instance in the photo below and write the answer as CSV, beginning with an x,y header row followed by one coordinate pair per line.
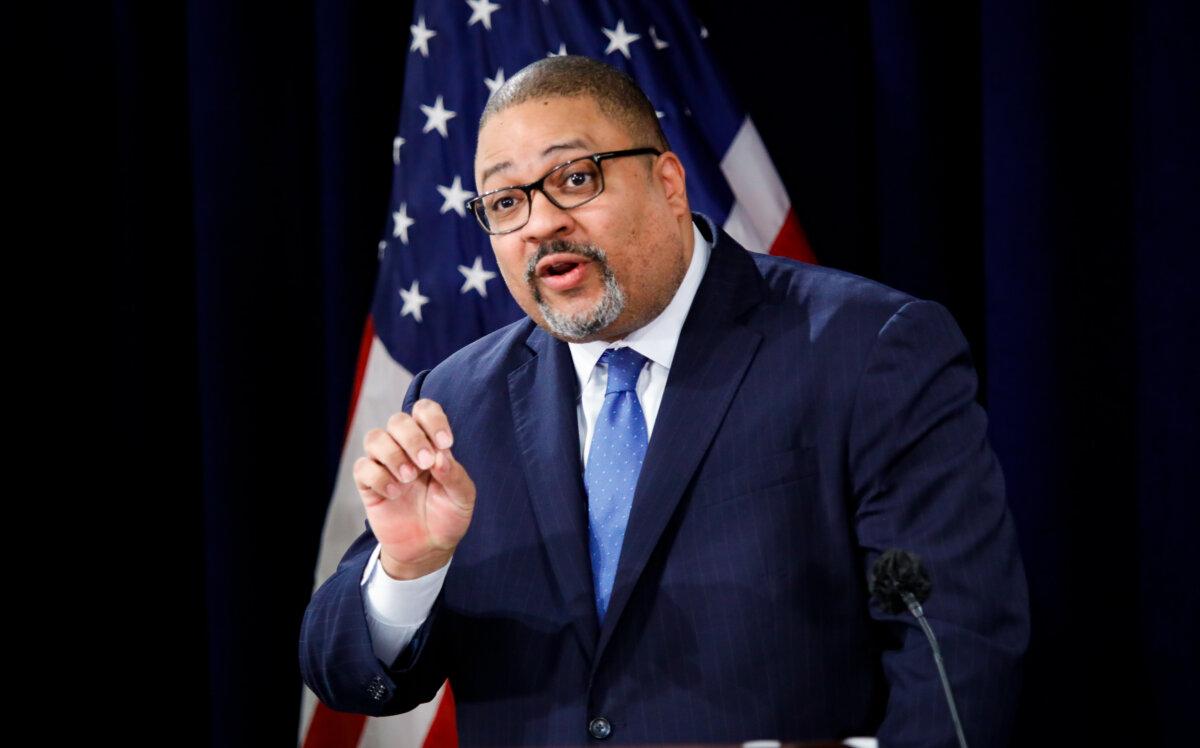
x,y
419,499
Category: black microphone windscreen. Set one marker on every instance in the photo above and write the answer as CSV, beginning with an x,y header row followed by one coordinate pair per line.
x,y
894,573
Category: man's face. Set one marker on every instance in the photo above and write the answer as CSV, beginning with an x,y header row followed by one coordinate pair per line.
x,y
602,269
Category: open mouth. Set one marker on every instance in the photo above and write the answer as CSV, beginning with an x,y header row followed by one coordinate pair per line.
x,y
560,268
559,263
562,271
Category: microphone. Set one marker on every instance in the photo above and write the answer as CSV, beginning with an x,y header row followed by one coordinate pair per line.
x,y
899,582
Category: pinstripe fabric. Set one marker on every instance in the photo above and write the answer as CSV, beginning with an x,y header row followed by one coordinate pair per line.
x,y
812,418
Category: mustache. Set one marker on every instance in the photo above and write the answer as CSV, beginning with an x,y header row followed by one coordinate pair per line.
x,y
554,246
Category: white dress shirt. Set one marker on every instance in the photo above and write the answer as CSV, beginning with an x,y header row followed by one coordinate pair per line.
x,y
396,608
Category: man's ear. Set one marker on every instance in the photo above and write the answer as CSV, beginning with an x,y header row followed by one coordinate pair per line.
x,y
669,173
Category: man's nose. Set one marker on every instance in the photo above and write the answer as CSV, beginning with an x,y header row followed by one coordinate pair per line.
x,y
546,220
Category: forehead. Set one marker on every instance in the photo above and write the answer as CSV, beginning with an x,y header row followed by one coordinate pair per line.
x,y
524,138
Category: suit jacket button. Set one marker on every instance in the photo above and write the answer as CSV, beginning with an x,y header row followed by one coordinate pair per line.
x,y
599,728
376,689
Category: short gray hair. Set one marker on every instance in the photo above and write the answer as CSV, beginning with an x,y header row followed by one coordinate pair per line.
x,y
617,95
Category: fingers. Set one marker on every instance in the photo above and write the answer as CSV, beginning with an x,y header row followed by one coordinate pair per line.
x,y
374,481
453,477
381,447
433,422
418,434
410,443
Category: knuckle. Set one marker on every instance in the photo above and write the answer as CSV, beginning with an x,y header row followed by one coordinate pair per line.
x,y
426,407
366,476
378,443
379,485
371,436
414,439
396,460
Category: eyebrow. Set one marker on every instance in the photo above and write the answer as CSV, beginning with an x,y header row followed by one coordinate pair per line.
x,y
492,170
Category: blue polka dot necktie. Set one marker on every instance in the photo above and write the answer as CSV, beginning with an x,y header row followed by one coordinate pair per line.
x,y
614,461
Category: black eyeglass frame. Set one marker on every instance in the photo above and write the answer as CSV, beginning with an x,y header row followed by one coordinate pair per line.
x,y
529,188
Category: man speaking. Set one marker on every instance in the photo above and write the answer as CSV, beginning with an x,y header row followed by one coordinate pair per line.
x,y
647,512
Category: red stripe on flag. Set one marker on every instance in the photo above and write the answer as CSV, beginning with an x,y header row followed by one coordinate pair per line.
x,y
364,352
792,242
333,729
443,733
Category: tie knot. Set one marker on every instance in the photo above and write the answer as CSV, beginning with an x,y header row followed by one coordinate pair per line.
x,y
624,366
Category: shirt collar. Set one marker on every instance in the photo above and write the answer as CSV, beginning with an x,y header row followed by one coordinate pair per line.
x,y
657,339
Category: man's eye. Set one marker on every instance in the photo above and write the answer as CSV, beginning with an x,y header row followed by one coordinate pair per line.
x,y
502,204
578,179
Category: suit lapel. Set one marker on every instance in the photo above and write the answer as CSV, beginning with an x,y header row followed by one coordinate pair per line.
x,y
711,358
542,394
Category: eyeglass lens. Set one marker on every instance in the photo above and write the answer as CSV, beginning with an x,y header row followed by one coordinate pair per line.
x,y
569,186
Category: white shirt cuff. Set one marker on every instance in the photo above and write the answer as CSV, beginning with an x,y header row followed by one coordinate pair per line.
x,y
400,602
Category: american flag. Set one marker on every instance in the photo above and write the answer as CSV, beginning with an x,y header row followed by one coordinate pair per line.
x,y
438,286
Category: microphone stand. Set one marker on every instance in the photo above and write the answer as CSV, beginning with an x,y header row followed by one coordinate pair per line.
x,y
914,607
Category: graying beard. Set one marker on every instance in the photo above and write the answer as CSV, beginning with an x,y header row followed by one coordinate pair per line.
x,y
585,324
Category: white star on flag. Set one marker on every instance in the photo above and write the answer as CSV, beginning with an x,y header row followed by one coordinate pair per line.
x,y
619,38
658,43
421,37
436,117
396,143
476,277
413,301
454,197
562,50
482,10
494,83
402,222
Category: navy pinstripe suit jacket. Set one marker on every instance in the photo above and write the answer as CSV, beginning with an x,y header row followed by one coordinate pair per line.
x,y
811,420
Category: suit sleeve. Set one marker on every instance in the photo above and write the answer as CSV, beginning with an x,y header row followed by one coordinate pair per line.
x,y
926,480
337,659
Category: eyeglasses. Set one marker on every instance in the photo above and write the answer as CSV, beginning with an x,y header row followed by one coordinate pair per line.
x,y
567,185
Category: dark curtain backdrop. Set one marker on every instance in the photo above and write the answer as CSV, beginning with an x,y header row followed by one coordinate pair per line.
x,y
1032,165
